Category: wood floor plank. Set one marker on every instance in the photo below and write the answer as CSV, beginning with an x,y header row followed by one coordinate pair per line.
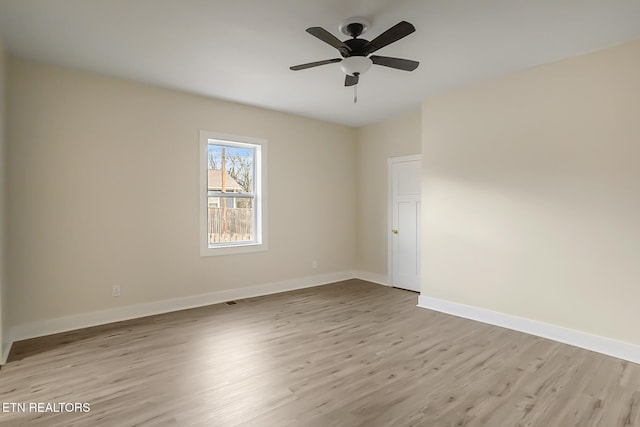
x,y
346,354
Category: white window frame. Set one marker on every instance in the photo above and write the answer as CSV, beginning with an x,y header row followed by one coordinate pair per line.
x,y
260,200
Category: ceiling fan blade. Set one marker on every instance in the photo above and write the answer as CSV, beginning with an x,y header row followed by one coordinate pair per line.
x,y
397,63
330,39
393,34
351,80
314,64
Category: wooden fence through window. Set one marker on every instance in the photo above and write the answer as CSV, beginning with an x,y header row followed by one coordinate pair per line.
x,y
239,225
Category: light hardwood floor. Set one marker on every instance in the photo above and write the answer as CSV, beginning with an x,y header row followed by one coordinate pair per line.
x,y
346,354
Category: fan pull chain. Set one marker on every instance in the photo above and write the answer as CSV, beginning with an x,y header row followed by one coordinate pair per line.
x,y
355,94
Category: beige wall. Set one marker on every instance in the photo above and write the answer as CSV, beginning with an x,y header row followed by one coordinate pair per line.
x,y
531,194
104,190
3,324
375,144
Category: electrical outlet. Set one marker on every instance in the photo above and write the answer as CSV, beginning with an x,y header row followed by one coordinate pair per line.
x,y
314,264
115,291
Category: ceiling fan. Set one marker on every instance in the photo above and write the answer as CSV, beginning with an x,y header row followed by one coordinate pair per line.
x,y
355,51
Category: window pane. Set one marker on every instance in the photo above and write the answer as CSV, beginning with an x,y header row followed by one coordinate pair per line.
x,y
230,170
244,202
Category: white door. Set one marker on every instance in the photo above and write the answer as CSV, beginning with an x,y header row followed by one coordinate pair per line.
x,y
405,178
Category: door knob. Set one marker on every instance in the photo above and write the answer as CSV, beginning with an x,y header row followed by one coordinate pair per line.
x,y
394,231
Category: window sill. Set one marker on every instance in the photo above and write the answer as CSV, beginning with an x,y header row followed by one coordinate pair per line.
x,y
233,249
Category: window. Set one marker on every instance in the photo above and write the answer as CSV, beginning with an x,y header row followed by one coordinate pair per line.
x,y
232,194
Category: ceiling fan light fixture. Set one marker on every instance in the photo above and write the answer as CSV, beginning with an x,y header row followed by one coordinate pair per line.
x,y
355,65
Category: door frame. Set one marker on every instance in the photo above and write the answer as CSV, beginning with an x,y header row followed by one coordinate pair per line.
x,y
390,162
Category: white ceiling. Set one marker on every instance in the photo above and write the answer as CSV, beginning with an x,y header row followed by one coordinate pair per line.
x,y
241,50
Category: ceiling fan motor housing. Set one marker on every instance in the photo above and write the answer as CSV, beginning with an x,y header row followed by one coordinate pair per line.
x,y
357,47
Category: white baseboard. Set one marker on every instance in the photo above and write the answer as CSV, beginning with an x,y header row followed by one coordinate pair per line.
x,y
6,348
372,277
85,320
599,344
